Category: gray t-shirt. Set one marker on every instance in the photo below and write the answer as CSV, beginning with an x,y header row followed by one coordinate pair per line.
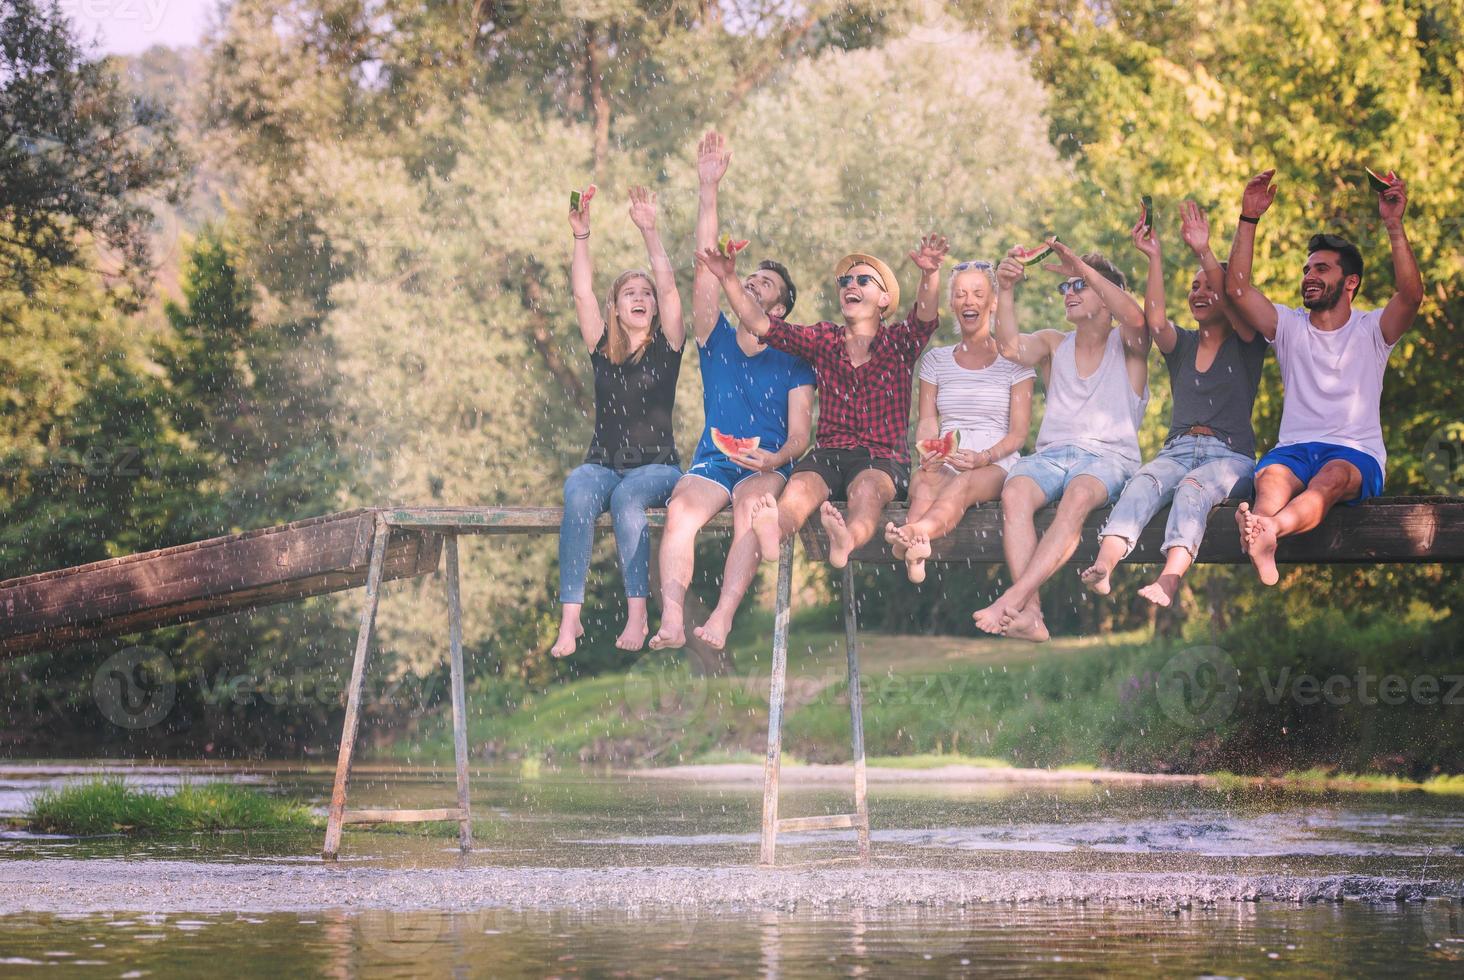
x,y
1221,397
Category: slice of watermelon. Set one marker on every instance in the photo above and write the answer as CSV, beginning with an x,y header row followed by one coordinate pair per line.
x,y
731,246
1028,256
732,445
574,200
943,446
1146,212
1380,182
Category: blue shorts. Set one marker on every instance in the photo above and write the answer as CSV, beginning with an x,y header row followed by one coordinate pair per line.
x,y
1306,459
727,474
1054,468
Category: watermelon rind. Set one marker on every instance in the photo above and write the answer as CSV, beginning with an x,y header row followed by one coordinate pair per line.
x,y
574,200
1029,256
732,445
1379,182
1147,203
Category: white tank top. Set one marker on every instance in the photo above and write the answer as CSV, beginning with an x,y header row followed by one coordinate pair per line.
x,y
1101,413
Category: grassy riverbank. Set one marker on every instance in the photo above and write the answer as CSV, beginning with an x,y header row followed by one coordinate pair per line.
x,y
1240,704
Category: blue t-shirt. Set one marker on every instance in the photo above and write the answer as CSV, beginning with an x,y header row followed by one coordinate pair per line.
x,y
746,396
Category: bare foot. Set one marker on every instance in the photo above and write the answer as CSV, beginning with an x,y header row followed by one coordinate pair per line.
x,y
565,644
765,526
1028,625
915,555
896,538
670,636
1161,591
1242,524
1095,576
714,631
1263,548
841,542
633,637
995,617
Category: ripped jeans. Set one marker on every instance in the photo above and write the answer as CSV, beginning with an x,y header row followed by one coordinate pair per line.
x,y
1194,472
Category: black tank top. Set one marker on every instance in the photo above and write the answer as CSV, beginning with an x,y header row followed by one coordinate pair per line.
x,y
634,402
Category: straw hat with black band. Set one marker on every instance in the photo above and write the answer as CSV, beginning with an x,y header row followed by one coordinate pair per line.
x,y
886,275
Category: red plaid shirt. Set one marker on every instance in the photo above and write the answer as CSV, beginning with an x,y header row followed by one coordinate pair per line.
x,y
867,407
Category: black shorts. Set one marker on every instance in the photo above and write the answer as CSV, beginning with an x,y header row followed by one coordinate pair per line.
x,y
839,467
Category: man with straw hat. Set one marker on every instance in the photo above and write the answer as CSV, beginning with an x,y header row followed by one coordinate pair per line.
x,y
864,368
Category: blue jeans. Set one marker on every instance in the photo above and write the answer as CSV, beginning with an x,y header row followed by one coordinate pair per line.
x,y
1196,473
589,491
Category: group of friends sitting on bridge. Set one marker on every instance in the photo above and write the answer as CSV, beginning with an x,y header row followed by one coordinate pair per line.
x,y
760,372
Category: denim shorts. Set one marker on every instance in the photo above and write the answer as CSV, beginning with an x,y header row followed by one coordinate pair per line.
x,y
727,474
1052,469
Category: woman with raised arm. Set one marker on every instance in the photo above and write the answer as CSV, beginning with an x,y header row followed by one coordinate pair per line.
x,y
971,390
1210,451
634,344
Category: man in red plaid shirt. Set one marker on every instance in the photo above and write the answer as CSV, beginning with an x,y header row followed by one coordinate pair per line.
x,y
864,368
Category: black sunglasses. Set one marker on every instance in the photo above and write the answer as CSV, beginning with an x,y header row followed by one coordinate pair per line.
x,y
864,279
1072,286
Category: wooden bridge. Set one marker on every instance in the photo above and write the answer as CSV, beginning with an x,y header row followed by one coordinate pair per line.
x,y
369,546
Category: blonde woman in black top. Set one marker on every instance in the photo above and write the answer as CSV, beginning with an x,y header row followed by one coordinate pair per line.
x,y
634,342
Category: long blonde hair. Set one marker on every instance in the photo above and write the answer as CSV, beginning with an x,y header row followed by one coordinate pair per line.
x,y
617,341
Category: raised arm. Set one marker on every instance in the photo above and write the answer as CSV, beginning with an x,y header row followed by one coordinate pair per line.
x,y
581,274
1249,303
712,158
1401,310
1195,229
927,258
1125,309
668,299
1027,349
722,267
1156,318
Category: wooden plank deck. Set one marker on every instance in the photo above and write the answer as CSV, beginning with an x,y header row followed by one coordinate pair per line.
x,y
331,553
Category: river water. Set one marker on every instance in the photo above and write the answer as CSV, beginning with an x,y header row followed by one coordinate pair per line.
x,y
603,874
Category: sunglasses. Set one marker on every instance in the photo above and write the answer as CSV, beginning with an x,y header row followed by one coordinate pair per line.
x,y
864,279
979,264
1072,286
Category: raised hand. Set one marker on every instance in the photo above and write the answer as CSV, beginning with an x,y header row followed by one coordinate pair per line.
x,y
1068,264
1194,227
579,221
712,157
643,208
1258,195
1393,201
1146,239
931,252
1009,272
717,262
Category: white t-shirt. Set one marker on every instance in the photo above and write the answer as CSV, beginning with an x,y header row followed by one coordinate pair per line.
x,y
977,402
1333,381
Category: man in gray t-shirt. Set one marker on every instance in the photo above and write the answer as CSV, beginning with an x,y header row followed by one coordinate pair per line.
x,y
1209,453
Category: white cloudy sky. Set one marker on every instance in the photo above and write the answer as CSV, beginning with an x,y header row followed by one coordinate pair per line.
x,y
132,26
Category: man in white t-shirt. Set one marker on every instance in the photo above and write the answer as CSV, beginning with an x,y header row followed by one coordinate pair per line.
x,y
1332,358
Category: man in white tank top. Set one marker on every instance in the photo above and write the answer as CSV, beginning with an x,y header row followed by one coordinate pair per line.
x,y
1332,358
1097,385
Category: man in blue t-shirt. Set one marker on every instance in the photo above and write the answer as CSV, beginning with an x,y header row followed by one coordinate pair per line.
x,y
750,391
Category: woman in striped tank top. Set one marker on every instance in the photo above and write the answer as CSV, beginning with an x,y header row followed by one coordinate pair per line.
x,y
971,389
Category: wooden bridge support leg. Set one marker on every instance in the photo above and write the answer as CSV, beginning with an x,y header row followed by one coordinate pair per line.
x,y
856,712
459,705
776,691
353,695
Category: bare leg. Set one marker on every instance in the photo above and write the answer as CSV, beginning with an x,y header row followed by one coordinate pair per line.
x,y
742,558
925,487
958,495
1009,612
694,502
868,494
570,629
1110,553
1335,482
1275,486
1161,591
637,624
777,518
1021,498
